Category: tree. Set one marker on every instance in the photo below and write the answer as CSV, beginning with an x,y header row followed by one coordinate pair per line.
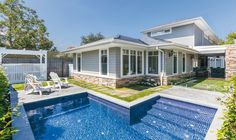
x,y
230,38
21,27
91,38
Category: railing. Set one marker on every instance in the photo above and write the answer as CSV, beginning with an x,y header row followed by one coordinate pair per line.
x,y
16,72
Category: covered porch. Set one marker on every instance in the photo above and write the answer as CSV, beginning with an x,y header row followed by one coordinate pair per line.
x,y
212,60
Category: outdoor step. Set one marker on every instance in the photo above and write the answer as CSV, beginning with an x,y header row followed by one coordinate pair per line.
x,y
180,121
173,129
194,115
151,132
187,106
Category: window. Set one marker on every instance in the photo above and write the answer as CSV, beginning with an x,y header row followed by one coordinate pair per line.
x,y
162,32
125,62
104,62
132,62
184,63
140,63
153,62
175,63
78,62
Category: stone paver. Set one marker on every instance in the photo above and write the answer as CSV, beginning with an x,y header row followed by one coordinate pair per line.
x,y
25,98
208,97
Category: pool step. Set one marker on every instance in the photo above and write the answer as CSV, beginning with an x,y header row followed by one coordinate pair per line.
x,y
180,121
168,128
151,132
193,115
187,106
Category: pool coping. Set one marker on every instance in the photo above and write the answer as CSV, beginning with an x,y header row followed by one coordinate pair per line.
x,y
211,134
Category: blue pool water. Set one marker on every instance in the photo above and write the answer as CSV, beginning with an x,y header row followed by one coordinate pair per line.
x,y
88,117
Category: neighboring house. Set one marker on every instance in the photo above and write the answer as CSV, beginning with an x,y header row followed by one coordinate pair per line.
x,y
166,52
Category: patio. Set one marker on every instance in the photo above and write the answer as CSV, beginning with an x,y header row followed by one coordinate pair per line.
x,y
26,98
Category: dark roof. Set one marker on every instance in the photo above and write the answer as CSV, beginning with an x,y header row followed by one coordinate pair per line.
x,y
130,39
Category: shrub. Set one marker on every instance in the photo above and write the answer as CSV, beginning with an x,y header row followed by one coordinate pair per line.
x,y
228,131
5,111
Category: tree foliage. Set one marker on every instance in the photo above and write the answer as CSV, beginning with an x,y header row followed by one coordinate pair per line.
x,y
228,130
91,38
20,27
230,38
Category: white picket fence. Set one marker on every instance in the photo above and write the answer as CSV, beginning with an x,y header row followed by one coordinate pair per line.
x,y
17,72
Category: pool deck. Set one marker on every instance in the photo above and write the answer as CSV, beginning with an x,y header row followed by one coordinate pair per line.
x,y
201,97
26,98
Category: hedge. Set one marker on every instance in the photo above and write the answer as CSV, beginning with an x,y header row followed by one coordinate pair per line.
x,y
228,131
5,111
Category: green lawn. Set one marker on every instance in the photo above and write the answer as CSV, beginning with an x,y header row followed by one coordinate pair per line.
x,y
20,86
208,84
127,93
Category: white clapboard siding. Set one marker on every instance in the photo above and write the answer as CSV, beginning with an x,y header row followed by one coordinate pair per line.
x,y
16,72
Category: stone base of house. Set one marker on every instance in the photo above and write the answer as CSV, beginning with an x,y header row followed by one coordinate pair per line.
x,y
110,82
128,81
121,82
167,80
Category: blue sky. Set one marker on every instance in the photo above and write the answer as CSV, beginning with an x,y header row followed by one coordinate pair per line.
x,y
68,20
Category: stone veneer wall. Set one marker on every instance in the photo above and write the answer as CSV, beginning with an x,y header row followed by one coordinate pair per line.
x,y
128,81
106,81
121,82
230,62
167,79
110,82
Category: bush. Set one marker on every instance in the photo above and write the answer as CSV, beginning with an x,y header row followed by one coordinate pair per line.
x,y
228,131
5,111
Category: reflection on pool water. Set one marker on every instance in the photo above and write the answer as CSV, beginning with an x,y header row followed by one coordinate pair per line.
x,y
84,116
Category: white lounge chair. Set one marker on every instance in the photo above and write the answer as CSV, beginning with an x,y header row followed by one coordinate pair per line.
x,y
57,81
32,85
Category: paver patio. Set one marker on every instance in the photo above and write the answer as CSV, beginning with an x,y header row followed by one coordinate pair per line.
x,y
209,97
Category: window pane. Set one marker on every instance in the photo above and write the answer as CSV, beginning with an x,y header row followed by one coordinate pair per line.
x,y
78,64
133,63
104,62
139,64
153,63
175,62
125,64
184,62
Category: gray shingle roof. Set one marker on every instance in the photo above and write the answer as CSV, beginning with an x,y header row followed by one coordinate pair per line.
x,y
130,39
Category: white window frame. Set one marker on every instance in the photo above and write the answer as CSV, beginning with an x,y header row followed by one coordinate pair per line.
x,y
162,32
100,62
159,61
76,61
129,56
159,71
184,54
177,70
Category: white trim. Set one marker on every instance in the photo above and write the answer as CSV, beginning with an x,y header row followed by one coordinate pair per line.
x,y
81,70
100,61
161,70
129,56
108,63
76,62
121,61
161,32
147,64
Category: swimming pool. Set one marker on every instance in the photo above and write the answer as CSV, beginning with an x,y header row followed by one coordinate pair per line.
x,y
84,116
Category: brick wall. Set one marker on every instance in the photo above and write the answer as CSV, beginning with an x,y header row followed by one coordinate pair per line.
x,y
230,62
